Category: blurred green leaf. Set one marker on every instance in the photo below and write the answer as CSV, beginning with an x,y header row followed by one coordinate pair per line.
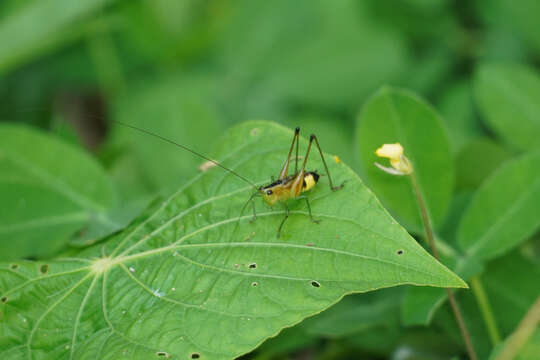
x,y
477,160
426,72
420,304
448,230
394,115
444,319
509,99
49,190
356,313
381,340
180,109
193,267
504,211
322,54
504,14
105,224
41,25
417,18
531,349
170,31
511,283
287,341
457,108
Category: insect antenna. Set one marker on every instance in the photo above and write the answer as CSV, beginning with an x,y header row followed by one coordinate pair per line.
x,y
187,149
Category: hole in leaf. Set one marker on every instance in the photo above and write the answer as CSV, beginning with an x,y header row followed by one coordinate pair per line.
x,y
254,283
252,265
400,252
4,299
163,354
14,266
195,356
315,284
43,269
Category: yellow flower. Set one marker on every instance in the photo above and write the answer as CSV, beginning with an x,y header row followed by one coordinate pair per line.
x,y
394,152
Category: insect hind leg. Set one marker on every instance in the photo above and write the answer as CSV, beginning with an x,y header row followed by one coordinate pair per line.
x,y
332,187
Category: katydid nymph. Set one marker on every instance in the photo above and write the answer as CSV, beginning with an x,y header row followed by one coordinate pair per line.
x,y
279,191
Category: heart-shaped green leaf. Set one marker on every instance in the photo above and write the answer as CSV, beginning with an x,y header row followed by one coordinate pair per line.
x,y
193,280
504,211
48,190
394,115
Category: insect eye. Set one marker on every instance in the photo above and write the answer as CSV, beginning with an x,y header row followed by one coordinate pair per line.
x,y
268,192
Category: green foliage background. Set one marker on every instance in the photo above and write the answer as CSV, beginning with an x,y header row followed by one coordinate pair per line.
x,y
457,83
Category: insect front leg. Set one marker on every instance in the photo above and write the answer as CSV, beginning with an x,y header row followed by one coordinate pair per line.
x,y
283,221
252,200
309,209
254,211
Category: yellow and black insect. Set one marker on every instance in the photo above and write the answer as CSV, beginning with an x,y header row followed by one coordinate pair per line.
x,y
284,188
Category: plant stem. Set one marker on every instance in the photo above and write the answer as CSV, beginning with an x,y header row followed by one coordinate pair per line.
x,y
431,241
519,337
485,308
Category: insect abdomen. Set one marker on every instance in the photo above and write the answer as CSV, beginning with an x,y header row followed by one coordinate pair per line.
x,y
310,180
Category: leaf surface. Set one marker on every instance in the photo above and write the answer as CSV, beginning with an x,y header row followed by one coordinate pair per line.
x,y
49,190
21,39
509,99
193,269
504,211
394,115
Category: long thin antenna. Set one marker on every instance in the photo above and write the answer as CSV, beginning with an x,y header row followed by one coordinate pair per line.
x,y
187,149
